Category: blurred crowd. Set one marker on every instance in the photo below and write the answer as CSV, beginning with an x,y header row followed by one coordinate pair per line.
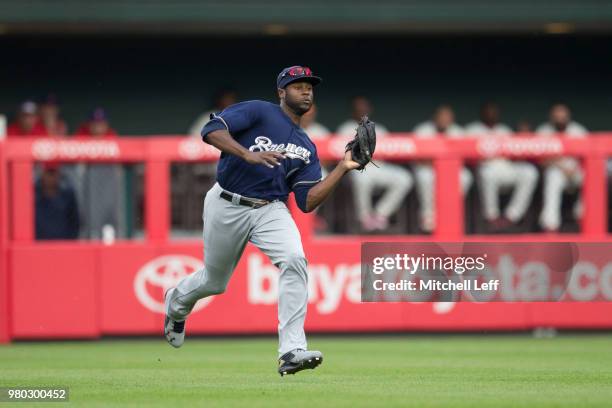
x,y
83,201
497,176
72,200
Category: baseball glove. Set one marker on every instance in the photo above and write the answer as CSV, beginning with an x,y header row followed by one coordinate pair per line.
x,y
364,143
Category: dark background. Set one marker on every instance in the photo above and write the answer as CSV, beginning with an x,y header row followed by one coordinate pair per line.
x,y
158,84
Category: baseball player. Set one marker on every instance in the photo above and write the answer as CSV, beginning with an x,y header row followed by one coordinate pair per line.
x,y
502,174
265,156
442,124
394,179
563,173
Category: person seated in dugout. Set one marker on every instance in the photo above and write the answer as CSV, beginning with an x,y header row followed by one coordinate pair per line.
x,y
442,124
394,179
56,209
100,184
501,174
561,173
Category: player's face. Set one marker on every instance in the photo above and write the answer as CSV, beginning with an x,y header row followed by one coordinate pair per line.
x,y
27,120
48,111
361,106
490,114
299,97
444,118
560,115
98,127
50,178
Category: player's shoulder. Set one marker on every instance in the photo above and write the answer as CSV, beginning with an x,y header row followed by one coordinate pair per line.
x,y
424,128
545,128
262,103
577,128
381,130
456,127
347,128
254,104
476,126
456,130
504,128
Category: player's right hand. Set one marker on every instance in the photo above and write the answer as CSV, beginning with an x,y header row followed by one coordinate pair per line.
x,y
348,162
268,159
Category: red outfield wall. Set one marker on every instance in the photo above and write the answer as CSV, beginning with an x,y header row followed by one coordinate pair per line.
x,y
86,289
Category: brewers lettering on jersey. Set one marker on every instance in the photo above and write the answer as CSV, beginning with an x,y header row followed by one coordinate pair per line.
x,y
265,155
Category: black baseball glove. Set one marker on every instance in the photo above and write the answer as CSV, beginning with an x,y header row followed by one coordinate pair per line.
x,y
364,143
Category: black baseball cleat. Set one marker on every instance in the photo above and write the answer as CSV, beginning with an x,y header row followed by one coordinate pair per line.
x,y
174,330
298,360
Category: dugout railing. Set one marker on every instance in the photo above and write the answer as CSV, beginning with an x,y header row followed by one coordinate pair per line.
x,y
24,262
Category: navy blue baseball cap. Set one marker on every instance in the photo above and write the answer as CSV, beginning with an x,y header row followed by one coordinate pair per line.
x,y
98,115
294,74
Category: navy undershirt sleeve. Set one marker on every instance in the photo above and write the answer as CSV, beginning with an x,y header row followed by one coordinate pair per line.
x,y
304,180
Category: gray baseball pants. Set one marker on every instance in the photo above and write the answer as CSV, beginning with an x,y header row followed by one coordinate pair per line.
x,y
228,227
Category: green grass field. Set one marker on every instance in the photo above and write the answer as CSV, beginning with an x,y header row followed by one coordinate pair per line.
x,y
402,371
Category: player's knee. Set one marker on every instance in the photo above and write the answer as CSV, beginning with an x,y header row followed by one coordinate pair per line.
x,y
425,175
553,174
486,175
404,180
466,179
530,173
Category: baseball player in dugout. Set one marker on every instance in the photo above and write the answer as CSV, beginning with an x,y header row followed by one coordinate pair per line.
x,y
563,173
442,124
500,174
395,180
265,155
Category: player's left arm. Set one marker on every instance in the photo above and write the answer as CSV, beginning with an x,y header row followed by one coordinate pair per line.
x,y
319,192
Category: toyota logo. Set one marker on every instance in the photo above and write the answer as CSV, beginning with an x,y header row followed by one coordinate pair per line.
x,y
165,272
44,149
489,147
191,149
